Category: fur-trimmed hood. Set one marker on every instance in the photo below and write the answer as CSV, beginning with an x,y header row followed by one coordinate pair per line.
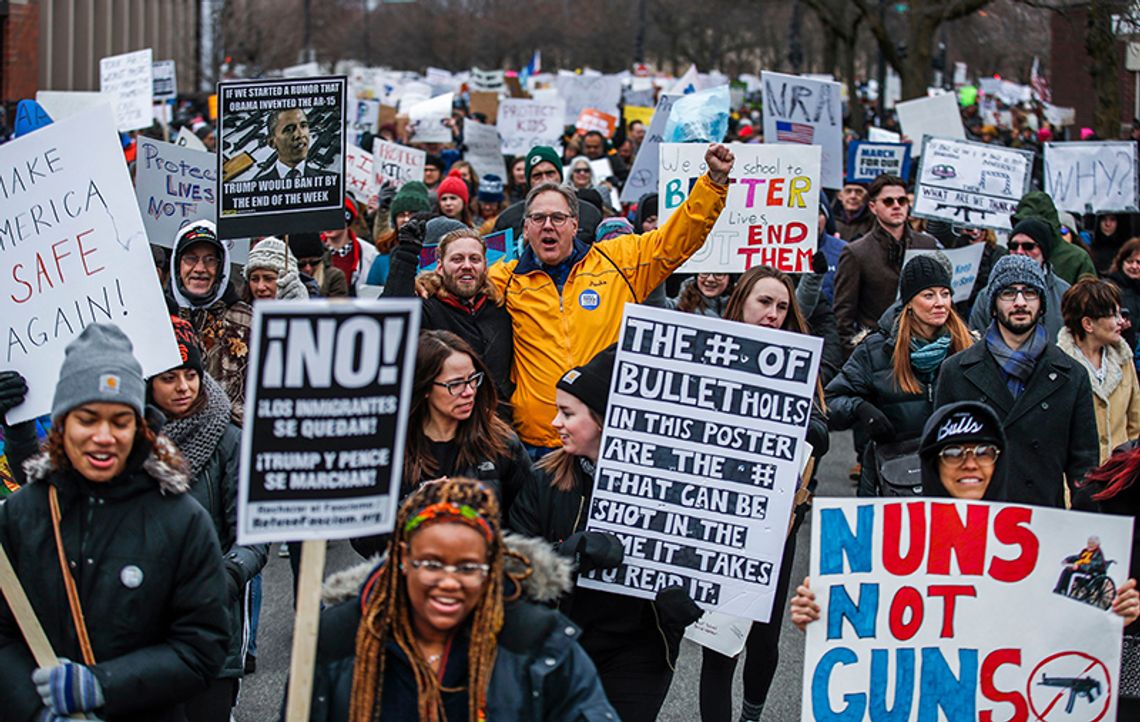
x,y
170,480
1115,357
550,577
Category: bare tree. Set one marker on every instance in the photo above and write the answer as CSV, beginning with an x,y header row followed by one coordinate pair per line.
x,y
841,21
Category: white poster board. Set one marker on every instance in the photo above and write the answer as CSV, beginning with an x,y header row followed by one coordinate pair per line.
x,y
806,112
937,116
523,124
698,463
60,104
965,262
187,139
165,80
129,80
427,120
643,175
876,134
360,178
943,609
397,164
174,186
85,260
1092,177
484,149
973,184
771,215
600,92
328,395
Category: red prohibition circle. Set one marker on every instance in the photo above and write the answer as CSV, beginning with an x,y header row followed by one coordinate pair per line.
x,y
1095,662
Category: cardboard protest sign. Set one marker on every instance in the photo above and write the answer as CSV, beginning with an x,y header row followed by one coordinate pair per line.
x,y
590,119
281,163
485,103
965,261
74,252
937,116
944,609
601,92
523,124
129,81
974,184
174,186
165,80
360,178
1092,177
397,164
187,139
808,112
700,456
427,119
484,149
771,215
866,161
646,168
327,401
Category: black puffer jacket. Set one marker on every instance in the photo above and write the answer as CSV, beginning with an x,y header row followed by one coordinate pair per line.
x,y
1130,300
148,570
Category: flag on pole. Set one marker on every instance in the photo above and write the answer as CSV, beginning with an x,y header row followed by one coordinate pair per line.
x,y
1039,83
534,67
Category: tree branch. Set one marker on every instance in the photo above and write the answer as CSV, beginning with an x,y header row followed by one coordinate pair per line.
x,y
961,8
887,45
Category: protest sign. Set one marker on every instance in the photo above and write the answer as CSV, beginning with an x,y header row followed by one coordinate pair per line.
x,y
187,139
359,178
366,117
866,161
973,184
327,396
646,168
601,92
523,124
1092,177
590,119
128,80
882,135
808,112
771,215
641,114
60,104
165,80
427,120
488,80
30,116
484,149
174,186
700,456
965,261
75,253
485,103
282,161
937,116
944,609
687,83
397,164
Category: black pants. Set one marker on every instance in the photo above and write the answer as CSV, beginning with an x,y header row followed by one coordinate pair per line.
x,y
215,702
634,671
761,649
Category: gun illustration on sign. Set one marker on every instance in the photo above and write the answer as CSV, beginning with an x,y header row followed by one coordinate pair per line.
x,y
959,211
1078,687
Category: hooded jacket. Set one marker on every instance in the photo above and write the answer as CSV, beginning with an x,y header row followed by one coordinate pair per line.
x,y
204,314
931,480
541,673
1116,399
1069,262
148,571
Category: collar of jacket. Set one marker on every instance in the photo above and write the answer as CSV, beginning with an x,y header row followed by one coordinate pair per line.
x,y
529,262
468,308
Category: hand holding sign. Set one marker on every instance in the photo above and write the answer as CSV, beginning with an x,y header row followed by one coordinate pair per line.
x,y
719,159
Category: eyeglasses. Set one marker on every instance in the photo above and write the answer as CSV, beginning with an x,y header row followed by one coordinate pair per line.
x,y
890,201
456,387
1027,246
717,276
984,454
433,570
207,261
1010,294
308,262
540,219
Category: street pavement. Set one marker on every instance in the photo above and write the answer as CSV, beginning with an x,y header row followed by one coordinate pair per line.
x,y
262,693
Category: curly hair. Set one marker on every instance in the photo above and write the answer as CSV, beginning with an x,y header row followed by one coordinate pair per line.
x,y
166,453
387,615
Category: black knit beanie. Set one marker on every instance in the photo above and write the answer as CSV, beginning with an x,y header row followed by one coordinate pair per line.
x,y
590,384
919,274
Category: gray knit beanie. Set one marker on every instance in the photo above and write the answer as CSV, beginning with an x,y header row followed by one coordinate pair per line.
x,y
439,227
1014,269
99,366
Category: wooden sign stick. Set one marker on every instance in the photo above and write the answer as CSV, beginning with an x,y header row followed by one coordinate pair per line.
x,y
305,628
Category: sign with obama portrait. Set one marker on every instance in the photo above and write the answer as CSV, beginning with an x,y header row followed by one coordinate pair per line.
x,y
281,160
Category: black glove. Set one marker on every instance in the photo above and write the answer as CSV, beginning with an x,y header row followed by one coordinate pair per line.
x,y
875,422
234,586
819,440
675,610
819,263
413,230
593,550
13,391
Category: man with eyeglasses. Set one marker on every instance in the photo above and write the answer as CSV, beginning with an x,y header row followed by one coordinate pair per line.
x,y
1069,262
1031,238
199,289
1041,394
566,297
544,165
867,277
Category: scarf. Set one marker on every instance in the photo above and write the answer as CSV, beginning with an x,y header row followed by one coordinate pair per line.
x,y
1017,365
198,434
926,357
347,258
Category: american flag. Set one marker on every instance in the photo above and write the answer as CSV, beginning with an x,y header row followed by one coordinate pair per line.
x,y
787,132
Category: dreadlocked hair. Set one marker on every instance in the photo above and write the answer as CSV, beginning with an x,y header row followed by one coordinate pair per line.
x,y
387,617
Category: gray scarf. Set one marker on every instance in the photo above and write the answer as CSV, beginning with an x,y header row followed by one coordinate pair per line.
x,y
198,434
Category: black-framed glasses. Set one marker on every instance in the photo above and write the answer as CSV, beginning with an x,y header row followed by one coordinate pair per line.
x,y
1010,294
984,454
1027,246
540,219
456,387
433,569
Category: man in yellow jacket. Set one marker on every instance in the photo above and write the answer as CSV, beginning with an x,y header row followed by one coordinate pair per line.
x,y
566,298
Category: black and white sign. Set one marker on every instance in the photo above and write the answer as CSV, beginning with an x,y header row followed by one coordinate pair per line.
x,y
1087,177
702,447
281,163
165,80
327,400
972,184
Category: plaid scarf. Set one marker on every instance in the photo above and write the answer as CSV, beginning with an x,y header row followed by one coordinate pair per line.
x,y
1016,365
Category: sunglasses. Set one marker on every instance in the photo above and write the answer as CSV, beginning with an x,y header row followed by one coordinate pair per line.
x,y
308,262
1023,246
890,201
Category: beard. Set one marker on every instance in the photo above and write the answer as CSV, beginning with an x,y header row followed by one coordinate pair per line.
x,y
464,291
1017,327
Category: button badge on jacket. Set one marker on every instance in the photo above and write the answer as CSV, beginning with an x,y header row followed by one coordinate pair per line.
x,y
131,576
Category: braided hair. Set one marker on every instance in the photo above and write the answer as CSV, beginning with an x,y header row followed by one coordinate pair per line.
x,y
387,615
